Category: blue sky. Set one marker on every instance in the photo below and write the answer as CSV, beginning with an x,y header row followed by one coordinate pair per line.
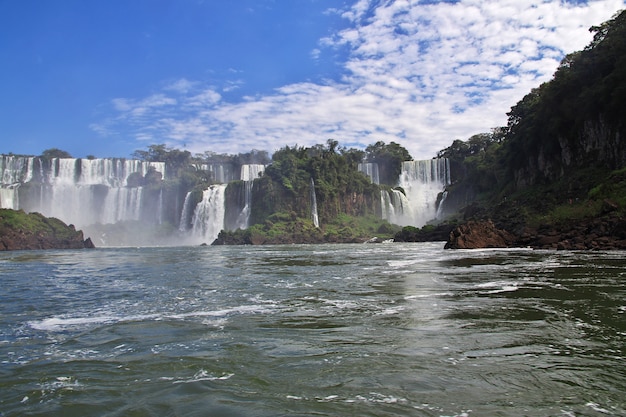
x,y
108,77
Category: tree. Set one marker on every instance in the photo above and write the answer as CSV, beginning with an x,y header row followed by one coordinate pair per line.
x,y
55,153
389,159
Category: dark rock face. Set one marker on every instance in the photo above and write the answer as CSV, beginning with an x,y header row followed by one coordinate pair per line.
x,y
604,233
479,234
21,231
426,234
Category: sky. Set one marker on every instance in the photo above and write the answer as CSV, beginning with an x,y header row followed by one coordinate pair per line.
x,y
109,77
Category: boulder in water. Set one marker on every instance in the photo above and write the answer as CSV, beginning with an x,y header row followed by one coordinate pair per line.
x,y
477,235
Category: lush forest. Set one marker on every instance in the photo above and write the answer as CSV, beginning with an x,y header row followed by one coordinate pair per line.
x,y
561,158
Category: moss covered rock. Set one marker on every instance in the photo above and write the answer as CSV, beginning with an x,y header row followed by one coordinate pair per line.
x,y
23,231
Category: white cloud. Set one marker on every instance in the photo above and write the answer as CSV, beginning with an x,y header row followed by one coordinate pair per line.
x,y
418,74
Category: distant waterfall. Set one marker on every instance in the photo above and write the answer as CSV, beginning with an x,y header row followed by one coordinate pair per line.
x,y
208,217
183,225
220,173
371,170
396,207
78,191
422,181
444,195
9,197
314,216
160,208
249,172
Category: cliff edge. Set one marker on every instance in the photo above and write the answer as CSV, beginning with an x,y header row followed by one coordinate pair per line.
x,y
22,231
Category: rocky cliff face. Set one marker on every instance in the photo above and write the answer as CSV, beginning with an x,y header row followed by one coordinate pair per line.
x,y
607,232
597,143
21,231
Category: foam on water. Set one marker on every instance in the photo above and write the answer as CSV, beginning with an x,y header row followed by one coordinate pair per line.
x,y
63,323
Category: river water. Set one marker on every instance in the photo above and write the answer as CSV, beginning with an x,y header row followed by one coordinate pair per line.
x,y
312,330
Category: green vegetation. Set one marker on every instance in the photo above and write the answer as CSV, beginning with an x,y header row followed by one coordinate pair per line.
x,y
54,153
32,223
287,227
19,230
561,157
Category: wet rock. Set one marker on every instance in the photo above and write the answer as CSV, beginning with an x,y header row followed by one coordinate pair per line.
x,y
479,234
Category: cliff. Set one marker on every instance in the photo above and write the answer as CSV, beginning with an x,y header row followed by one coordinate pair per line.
x,y
21,231
576,119
555,176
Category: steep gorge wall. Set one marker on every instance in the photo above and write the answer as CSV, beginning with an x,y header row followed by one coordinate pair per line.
x,y
597,144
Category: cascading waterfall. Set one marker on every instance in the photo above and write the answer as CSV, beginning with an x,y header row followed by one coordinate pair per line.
x,y
208,217
160,207
444,195
314,216
249,172
183,225
14,171
9,197
371,170
396,207
221,173
421,181
78,191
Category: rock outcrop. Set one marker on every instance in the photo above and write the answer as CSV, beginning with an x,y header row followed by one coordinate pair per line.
x,y
606,232
479,234
22,231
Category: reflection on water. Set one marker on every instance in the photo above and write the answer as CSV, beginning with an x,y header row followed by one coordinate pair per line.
x,y
384,330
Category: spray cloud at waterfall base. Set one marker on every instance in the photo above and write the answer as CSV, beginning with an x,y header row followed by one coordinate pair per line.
x,y
120,202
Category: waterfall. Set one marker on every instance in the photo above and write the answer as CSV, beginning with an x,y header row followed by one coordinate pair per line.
x,y
314,215
183,225
9,197
122,204
159,214
396,208
249,172
208,217
221,173
371,170
444,195
422,181
78,191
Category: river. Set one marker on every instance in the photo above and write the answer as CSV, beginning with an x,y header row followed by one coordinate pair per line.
x,y
312,330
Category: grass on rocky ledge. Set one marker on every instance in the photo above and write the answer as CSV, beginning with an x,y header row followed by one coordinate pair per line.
x,y
20,221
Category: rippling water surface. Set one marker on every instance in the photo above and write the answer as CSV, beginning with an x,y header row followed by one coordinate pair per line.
x,y
332,330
